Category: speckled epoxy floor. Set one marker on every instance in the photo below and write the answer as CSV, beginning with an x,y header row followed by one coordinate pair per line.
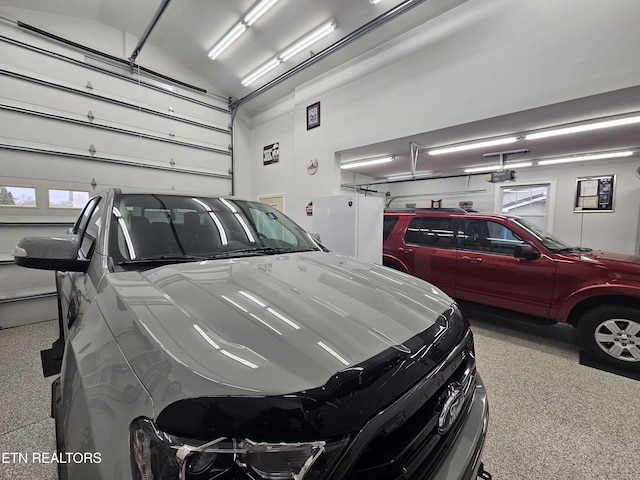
x,y
551,418
25,402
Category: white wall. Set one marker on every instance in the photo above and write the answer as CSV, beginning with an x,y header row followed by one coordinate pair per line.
x,y
480,60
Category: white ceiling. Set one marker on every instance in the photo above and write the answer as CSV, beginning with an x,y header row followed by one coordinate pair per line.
x,y
189,28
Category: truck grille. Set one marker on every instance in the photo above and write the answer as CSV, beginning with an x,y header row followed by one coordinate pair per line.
x,y
405,441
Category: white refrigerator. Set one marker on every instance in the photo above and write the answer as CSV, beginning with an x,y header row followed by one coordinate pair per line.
x,y
350,225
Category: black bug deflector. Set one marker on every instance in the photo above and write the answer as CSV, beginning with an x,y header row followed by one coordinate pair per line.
x,y
340,407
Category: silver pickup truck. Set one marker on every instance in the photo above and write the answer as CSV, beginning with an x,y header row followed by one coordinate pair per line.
x,y
206,337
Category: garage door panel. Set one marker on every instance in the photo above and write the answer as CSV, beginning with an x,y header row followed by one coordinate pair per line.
x,y
54,171
182,101
35,96
51,134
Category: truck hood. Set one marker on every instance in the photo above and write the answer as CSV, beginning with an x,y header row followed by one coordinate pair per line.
x,y
259,326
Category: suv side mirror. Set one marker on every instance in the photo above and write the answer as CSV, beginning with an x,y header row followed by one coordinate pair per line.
x,y
526,251
50,253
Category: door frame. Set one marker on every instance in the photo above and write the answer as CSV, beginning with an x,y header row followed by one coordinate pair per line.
x,y
276,200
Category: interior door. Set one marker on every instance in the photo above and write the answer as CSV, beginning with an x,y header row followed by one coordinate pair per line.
x,y
489,273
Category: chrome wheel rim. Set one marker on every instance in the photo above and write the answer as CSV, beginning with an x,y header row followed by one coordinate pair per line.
x,y
620,338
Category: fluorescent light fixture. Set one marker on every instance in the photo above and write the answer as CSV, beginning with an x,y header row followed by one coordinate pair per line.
x,y
292,50
258,11
250,18
495,168
308,40
470,146
366,162
409,176
373,2
584,127
583,158
266,68
227,40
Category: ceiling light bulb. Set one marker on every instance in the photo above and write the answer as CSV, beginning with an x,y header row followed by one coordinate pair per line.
x,y
366,162
583,158
495,168
409,176
267,67
485,168
519,165
583,128
308,40
258,11
470,146
227,40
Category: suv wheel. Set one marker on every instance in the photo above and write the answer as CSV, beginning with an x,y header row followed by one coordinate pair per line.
x,y
612,335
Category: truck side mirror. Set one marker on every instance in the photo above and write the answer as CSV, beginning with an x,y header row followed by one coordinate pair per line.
x,y
50,253
526,251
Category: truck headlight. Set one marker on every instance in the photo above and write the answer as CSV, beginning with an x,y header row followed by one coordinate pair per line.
x,y
156,455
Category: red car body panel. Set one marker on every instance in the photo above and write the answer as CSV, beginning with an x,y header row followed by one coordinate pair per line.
x,y
550,286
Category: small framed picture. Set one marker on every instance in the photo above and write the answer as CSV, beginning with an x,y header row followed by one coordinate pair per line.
x,y
313,116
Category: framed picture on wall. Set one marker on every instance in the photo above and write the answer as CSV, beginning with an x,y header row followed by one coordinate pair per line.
x,y
313,116
595,194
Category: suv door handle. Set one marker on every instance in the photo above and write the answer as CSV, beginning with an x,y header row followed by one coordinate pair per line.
x,y
405,250
472,259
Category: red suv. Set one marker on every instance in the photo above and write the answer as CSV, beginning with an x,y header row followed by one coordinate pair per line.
x,y
512,264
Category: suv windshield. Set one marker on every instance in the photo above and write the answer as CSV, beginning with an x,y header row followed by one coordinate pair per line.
x,y
171,228
548,240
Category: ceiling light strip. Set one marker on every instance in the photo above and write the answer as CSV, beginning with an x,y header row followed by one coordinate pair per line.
x,y
584,127
259,10
308,40
470,146
305,42
366,162
495,168
409,176
249,19
584,158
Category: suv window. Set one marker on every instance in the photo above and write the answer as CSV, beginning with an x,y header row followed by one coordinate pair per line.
x,y
488,236
389,222
431,231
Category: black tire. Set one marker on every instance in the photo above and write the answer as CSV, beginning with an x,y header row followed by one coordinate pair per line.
x,y
611,334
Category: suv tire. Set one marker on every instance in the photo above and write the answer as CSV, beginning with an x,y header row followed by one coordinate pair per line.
x,y
611,334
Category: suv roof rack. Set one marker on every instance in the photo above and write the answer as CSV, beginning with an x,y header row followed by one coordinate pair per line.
x,y
425,209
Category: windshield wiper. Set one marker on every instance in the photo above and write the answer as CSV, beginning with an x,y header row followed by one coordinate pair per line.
x,y
574,250
163,259
179,258
267,250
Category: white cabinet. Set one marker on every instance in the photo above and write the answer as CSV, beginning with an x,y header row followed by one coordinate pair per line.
x,y
350,225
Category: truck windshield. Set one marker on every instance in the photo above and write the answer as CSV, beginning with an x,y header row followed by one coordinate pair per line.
x,y
545,238
149,228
